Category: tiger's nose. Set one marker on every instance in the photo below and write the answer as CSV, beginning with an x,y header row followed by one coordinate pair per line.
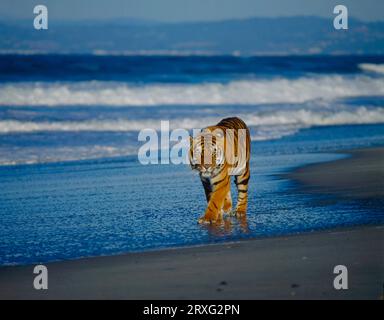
x,y
207,166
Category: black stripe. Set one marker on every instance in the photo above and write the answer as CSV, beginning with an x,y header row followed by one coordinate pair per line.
x,y
245,181
217,182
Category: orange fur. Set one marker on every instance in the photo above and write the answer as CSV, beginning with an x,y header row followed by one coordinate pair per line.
x,y
205,156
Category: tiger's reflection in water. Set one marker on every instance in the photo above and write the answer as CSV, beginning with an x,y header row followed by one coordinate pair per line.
x,y
226,226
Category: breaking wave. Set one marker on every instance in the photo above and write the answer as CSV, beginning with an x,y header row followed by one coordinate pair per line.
x,y
372,67
293,117
278,90
264,124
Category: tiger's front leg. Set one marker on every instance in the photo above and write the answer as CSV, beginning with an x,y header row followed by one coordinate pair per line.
x,y
216,201
242,182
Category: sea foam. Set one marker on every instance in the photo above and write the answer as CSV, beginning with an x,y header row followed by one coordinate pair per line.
x,y
372,67
246,92
297,117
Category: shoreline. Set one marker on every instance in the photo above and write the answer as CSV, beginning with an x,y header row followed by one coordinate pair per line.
x,y
288,267
336,229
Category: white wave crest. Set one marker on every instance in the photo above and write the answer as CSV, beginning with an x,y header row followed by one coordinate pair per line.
x,y
281,90
295,117
32,155
372,67
264,124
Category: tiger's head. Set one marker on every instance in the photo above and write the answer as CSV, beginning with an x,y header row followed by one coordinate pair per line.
x,y
206,153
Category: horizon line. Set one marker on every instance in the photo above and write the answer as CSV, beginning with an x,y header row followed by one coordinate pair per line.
x,y
154,21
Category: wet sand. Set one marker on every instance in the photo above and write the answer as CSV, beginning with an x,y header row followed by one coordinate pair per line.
x,y
359,176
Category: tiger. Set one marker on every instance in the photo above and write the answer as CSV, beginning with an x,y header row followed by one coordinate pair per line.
x,y
216,154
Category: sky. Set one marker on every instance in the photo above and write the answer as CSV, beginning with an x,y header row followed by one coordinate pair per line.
x,y
188,10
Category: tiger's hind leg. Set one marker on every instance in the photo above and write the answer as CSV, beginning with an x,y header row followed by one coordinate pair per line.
x,y
242,192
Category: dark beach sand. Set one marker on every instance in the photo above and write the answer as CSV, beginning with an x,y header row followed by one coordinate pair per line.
x,y
291,267
359,176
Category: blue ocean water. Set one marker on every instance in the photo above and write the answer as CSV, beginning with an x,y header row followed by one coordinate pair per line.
x,y
71,185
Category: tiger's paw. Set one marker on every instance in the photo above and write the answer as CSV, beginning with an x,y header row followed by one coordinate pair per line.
x,y
227,208
227,211
207,220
